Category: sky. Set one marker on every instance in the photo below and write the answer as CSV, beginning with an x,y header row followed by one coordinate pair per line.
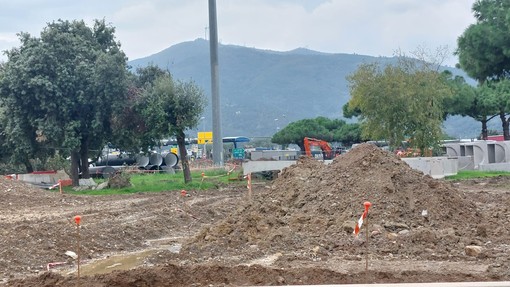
x,y
365,27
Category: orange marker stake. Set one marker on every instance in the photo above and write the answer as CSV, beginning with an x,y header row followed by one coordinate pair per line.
x,y
77,220
249,185
367,206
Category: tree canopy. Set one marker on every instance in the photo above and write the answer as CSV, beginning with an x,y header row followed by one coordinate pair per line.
x,y
335,130
170,108
484,47
471,101
62,88
399,102
484,53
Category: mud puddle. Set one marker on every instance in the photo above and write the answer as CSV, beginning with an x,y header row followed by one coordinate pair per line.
x,y
129,260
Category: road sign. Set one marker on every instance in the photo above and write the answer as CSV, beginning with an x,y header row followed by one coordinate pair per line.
x,y
204,141
204,137
238,153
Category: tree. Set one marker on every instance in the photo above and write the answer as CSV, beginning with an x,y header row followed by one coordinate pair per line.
x,y
497,93
172,108
399,102
63,88
322,128
471,101
484,51
484,47
131,131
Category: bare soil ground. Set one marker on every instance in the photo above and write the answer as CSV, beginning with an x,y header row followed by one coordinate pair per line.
x,y
296,229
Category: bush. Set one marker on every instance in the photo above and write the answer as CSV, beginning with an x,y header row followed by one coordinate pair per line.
x,y
120,180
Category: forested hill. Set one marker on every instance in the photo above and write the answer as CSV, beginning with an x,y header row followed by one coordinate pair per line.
x,y
261,91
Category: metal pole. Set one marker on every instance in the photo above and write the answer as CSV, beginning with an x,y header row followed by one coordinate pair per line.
x,y
366,254
78,242
216,119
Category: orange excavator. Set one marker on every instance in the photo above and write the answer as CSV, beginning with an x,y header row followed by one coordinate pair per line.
x,y
327,151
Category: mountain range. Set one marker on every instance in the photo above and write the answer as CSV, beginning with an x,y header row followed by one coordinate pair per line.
x,y
261,91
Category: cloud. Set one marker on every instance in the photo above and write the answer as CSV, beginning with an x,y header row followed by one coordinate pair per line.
x,y
337,26
147,27
363,27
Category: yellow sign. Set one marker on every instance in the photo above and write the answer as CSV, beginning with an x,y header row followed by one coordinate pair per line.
x,y
204,137
203,141
174,150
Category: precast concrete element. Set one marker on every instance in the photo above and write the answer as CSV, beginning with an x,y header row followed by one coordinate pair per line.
x,y
170,159
115,159
265,165
478,150
480,155
436,167
275,154
504,166
156,159
451,149
142,160
36,178
466,163
168,169
50,177
498,152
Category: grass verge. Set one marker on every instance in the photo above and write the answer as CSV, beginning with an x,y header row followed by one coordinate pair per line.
x,y
157,182
469,174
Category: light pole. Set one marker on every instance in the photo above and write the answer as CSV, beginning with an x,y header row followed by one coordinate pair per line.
x,y
204,151
215,86
203,122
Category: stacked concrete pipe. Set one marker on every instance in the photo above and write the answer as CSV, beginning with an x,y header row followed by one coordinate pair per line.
x,y
108,165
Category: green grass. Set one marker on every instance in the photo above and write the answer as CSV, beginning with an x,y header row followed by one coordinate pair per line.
x,y
157,182
469,174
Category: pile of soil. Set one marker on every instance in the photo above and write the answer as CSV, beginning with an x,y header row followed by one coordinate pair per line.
x,y
297,230
312,209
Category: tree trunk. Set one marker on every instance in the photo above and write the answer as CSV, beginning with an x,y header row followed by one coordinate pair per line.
x,y
181,142
301,145
84,159
75,163
485,131
28,165
504,123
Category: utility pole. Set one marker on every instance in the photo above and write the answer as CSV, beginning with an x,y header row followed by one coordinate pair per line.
x,y
215,89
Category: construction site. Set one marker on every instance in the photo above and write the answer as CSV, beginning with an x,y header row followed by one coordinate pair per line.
x,y
297,229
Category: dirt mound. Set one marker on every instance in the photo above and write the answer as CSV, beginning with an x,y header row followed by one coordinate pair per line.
x,y
297,231
312,208
217,275
13,192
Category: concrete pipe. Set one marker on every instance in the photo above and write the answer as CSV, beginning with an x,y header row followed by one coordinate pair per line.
x,y
171,159
156,159
152,167
115,159
141,160
108,172
168,169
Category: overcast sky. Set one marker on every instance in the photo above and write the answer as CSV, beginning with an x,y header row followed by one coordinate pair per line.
x,y
367,27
